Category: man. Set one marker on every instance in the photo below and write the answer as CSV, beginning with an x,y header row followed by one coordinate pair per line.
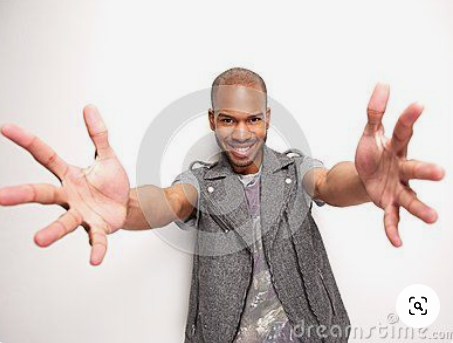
x,y
260,268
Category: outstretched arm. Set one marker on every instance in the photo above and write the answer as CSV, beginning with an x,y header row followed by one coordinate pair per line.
x,y
339,186
153,207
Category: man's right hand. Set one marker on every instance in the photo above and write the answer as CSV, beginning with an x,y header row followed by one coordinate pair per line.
x,y
95,197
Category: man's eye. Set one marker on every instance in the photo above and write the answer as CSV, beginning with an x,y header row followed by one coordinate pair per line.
x,y
255,120
227,120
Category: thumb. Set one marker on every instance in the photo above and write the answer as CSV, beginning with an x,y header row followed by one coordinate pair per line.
x,y
376,107
97,130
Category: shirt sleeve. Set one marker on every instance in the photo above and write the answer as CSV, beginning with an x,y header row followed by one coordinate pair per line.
x,y
307,164
191,222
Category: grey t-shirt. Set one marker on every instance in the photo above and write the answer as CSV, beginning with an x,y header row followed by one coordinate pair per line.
x,y
263,319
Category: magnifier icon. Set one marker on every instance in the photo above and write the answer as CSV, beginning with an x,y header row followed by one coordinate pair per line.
x,y
418,306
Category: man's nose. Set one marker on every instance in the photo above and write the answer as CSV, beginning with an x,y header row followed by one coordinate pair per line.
x,y
241,133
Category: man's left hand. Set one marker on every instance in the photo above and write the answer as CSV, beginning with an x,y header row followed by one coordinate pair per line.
x,y
384,169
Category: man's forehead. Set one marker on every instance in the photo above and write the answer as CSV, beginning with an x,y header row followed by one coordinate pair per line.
x,y
239,98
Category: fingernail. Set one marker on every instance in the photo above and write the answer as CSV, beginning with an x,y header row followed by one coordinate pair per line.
x,y
383,83
3,127
420,104
441,172
434,216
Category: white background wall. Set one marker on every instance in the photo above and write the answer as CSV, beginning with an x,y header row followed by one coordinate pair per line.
x,y
320,59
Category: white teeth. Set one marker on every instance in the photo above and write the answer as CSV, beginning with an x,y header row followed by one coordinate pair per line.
x,y
242,150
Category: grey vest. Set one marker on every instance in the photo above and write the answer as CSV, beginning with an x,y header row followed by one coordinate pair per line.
x,y
223,262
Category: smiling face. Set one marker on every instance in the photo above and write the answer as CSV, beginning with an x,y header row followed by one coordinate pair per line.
x,y
240,120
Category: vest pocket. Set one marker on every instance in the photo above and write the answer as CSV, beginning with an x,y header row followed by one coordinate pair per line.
x,y
220,222
215,213
326,290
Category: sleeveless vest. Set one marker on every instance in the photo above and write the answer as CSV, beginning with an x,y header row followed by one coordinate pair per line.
x,y
297,259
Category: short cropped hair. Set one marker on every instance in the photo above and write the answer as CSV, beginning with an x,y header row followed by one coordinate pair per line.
x,y
240,77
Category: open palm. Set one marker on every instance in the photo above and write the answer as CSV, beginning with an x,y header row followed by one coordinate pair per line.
x,y
384,169
95,197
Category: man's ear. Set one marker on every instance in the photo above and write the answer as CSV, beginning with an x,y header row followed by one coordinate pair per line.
x,y
268,117
211,119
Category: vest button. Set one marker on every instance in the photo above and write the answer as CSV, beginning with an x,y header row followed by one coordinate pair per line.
x,y
210,189
288,180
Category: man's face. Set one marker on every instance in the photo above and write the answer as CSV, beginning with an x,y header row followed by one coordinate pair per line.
x,y
240,120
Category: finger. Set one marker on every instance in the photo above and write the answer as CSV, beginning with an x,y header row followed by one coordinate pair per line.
x,y
98,242
413,169
376,107
40,151
41,193
65,224
98,131
413,205
391,220
403,130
